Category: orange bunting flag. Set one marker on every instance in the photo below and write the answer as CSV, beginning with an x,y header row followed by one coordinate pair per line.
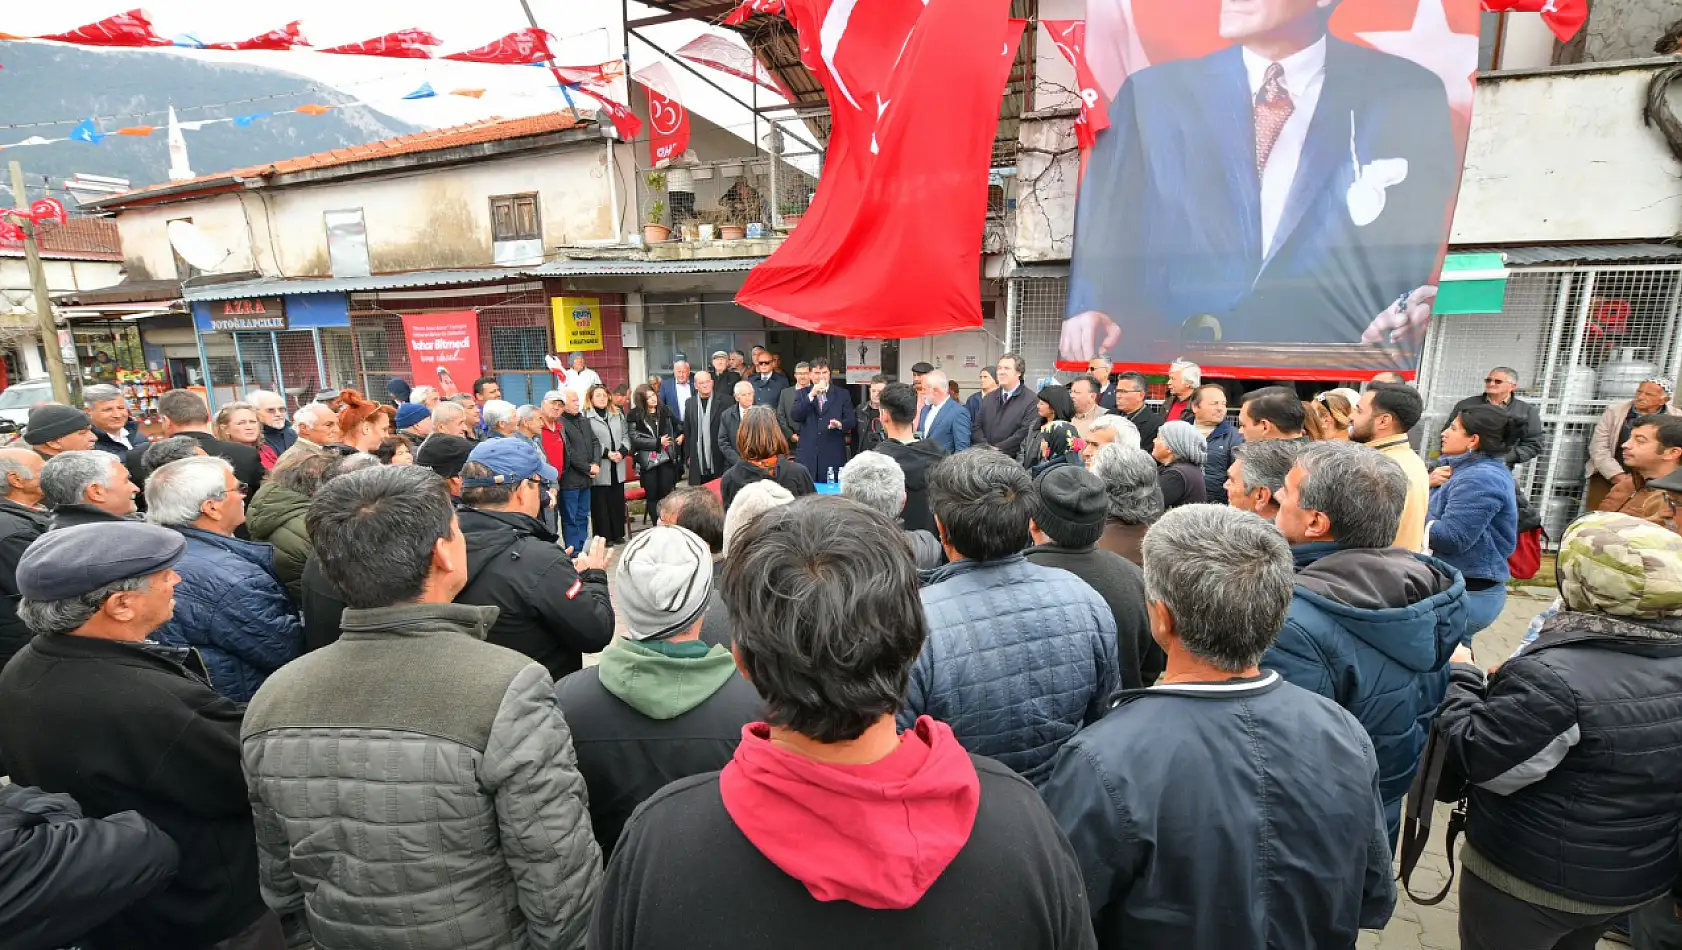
x,y
313,109
469,93
139,131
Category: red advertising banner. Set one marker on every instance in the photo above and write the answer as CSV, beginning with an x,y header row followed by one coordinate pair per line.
x,y
1275,187
443,349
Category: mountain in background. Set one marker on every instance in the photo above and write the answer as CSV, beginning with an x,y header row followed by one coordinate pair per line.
x,y
43,82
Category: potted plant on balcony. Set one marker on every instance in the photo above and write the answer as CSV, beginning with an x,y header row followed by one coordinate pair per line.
x,y
654,232
732,223
793,212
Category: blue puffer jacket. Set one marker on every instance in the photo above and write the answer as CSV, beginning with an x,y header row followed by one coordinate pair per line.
x,y
1472,520
232,609
1218,459
1019,657
1372,629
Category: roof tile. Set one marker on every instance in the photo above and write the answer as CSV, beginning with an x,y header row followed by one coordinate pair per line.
x,y
79,239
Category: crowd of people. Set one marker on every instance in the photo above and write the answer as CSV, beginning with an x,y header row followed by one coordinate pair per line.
x,y
1047,668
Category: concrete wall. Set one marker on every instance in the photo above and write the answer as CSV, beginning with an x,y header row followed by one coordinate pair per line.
x,y
1627,29
432,218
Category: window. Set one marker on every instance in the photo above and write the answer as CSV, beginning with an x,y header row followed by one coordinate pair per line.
x,y
514,218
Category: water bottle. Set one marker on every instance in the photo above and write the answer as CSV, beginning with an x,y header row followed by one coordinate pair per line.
x,y
832,475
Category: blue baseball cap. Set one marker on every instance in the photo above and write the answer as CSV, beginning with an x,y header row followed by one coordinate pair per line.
x,y
510,460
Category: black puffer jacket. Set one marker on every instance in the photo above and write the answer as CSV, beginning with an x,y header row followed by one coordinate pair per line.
x,y
62,875
19,526
550,612
915,459
1571,751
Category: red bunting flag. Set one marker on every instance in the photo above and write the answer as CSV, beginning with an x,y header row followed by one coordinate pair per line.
x,y
1563,17
751,8
668,136
625,121
888,246
403,44
1069,36
125,29
287,37
519,48
710,49
600,73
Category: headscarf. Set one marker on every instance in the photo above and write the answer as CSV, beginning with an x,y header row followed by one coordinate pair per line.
x,y
1063,438
1183,439
1666,383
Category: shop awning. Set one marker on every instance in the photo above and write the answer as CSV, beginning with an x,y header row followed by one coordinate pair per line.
x,y
1472,283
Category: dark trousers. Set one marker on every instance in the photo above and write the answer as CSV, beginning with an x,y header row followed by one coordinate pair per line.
x,y
264,934
607,511
1491,919
658,482
575,518
1655,926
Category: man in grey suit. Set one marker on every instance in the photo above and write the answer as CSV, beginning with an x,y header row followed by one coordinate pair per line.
x,y
731,421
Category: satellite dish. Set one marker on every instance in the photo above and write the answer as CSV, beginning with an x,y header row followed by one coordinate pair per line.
x,y
195,248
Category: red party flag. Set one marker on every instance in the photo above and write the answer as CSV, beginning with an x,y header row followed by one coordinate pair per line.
x,y
1069,36
668,136
751,8
625,122
710,49
402,44
125,29
1563,17
888,247
287,37
519,48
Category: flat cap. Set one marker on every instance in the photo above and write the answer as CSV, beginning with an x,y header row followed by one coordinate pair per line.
x,y
70,562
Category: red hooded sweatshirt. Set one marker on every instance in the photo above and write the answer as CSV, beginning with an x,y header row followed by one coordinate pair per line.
x,y
878,835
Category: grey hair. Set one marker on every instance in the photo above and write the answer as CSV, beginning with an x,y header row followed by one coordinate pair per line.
x,y
1130,479
1360,489
314,414
176,493
738,387
1267,463
802,365
526,412
94,395
354,462
164,451
875,481
749,503
1126,433
419,394
1512,374
1189,371
1225,577
67,476
448,412
53,618
257,397
929,378
496,412
8,468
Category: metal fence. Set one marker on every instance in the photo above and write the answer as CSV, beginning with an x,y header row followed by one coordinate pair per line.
x,y
1034,322
761,188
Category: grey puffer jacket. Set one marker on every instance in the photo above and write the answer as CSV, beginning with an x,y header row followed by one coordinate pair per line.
x,y
416,788
1019,658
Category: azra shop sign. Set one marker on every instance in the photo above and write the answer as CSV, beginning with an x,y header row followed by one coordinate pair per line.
x,y
249,313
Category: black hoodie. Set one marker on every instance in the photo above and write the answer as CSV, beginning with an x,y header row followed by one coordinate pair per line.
x,y
550,612
915,459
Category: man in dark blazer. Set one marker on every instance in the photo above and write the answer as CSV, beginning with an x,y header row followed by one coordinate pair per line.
x,y
185,413
724,378
943,420
767,386
824,415
730,422
785,403
1290,188
1009,412
701,420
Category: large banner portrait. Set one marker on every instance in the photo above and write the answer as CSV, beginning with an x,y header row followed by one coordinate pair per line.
x,y
443,349
1274,186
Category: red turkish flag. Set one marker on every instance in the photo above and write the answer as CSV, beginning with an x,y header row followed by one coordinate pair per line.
x,y
1069,36
125,29
519,48
890,246
1563,17
668,120
402,44
286,37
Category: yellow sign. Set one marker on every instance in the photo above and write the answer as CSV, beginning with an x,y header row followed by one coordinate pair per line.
x,y
578,323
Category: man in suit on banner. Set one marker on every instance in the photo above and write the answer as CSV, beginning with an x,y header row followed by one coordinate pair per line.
x,y
1291,188
823,415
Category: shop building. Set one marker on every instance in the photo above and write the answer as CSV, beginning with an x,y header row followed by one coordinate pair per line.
x,y
77,254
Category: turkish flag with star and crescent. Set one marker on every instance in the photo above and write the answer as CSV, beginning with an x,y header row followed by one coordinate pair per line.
x,y
890,246
1563,17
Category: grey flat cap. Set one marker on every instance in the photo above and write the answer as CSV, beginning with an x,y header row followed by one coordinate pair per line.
x,y
71,562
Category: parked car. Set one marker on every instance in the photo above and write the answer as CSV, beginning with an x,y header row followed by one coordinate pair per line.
x,y
16,399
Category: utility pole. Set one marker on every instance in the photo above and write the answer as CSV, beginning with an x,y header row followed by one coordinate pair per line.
x,y
43,301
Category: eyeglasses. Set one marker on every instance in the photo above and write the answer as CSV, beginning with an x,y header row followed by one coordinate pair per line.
x,y
762,362
1495,379
1130,392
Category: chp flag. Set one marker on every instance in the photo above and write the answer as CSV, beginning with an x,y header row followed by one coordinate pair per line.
x,y
889,245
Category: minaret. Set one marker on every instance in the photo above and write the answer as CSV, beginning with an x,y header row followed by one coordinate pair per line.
x,y
179,170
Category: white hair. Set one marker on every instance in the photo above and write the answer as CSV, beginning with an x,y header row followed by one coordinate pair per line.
x,y
420,394
935,379
750,503
176,493
314,414
738,387
257,397
875,481
103,392
1126,433
496,412
448,412
1189,371
525,413
67,476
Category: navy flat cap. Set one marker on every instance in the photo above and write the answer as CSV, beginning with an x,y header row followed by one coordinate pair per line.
x,y
71,562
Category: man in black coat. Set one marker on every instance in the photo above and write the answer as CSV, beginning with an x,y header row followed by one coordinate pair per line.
x,y
915,456
661,705
1069,521
730,423
22,520
724,378
702,420
1524,422
185,413
1009,412
553,609
1130,390
96,711
582,464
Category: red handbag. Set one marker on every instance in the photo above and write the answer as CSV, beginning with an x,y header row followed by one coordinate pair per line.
x,y
1526,558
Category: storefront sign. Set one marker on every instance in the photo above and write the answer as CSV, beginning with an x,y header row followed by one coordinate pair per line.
x,y
864,360
248,313
578,323
443,349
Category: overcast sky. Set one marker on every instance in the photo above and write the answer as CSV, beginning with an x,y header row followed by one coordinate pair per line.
x,y
588,32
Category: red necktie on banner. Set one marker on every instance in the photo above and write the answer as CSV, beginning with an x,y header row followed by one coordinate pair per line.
x,y
1563,17
1069,36
889,245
